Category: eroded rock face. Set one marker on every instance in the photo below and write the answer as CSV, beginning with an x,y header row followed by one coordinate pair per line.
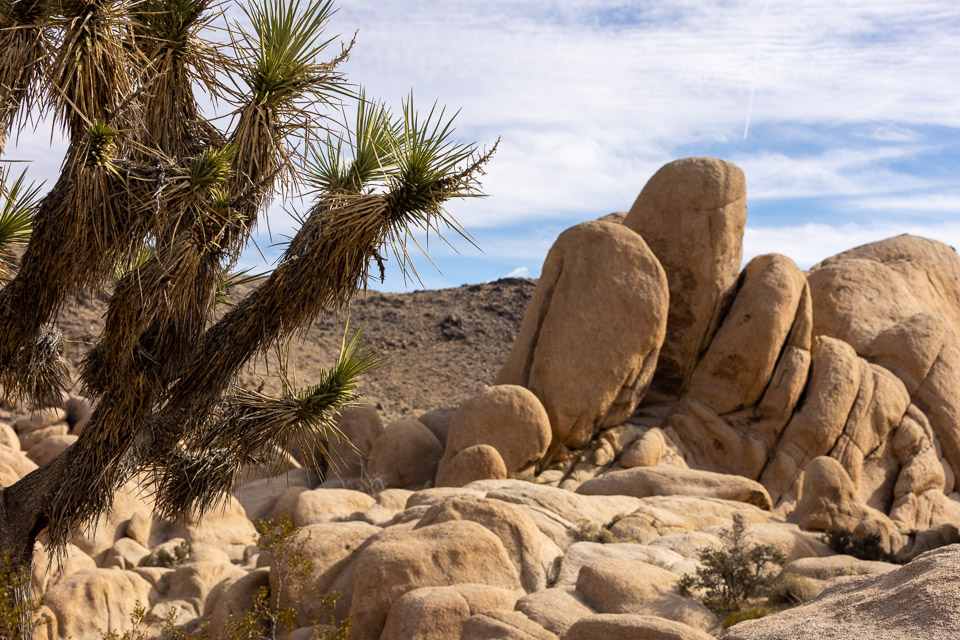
x,y
897,303
691,214
593,329
914,601
439,555
508,418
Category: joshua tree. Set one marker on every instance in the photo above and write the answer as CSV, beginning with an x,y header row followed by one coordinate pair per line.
x,y
153,206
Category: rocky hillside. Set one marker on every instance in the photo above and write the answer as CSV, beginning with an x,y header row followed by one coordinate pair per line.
x,y
441,346
655,399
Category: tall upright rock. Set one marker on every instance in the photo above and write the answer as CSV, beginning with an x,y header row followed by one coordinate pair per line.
x,y
691,214
590,336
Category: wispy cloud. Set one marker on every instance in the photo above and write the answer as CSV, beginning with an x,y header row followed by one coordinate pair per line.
x,y
854,103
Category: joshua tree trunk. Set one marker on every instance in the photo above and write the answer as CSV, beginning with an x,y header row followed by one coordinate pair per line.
x,y
154,205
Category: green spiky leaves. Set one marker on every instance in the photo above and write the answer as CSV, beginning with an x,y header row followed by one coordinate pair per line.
x,y
279,53
169,24
19,204
209,170
254,426
101,144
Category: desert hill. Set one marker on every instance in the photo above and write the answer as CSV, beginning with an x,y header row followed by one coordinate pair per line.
x,y
442,346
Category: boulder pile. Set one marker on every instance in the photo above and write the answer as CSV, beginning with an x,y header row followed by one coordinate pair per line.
x,y
655,393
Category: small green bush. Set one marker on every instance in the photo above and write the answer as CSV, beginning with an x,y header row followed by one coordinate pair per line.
x,y
744,614
266,619
587,531
867,547
732,575
163,558
18,612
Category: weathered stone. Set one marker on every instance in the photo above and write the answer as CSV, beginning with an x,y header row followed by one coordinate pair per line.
x,y
405,455
913,601
633,586
691,213
666,481
591,370
612,626
508,418
478,462
439,555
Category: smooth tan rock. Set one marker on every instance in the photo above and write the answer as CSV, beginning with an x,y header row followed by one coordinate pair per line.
x,y
509,418
14,465
112,525
438,421
831,392
259,497
8,437
828,501
226,528
632,586
328,547
49,448
643,482
590,369
39,419
533,554
566,506
691,214
194,581
125,554
503,625
898,303
554,609
234,597
836,565
361,427
478,462
439,555
583,553
735,369
95,599
437,613
329,505
45,573
658,516
31,439
913,601
632,627
405,455
646,451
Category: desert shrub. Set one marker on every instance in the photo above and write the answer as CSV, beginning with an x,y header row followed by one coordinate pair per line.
x,y
866,547
266,619
167,560
744,614
588,531
141,621
732,575
17,609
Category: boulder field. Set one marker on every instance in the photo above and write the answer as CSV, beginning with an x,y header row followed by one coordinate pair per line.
x,y
655,392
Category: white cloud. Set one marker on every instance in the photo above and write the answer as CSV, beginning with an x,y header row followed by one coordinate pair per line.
x,y
519,272
808,244
592,96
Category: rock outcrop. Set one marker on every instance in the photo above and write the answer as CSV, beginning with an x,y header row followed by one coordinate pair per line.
x,y
589,373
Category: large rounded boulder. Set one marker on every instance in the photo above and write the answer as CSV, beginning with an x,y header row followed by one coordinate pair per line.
x,y
592,332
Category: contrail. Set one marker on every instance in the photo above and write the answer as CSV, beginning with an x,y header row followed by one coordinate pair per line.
x,y
756,64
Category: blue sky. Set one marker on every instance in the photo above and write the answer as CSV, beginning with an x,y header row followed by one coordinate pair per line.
x,y
845,115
